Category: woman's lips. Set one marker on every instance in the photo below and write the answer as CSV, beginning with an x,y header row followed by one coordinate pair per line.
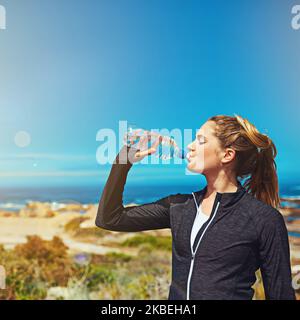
x,y
188,156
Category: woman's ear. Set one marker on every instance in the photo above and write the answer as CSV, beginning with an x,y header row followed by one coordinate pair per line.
x,y
228,155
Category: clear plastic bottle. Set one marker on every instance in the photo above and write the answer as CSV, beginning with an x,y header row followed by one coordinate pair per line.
x,y
143,139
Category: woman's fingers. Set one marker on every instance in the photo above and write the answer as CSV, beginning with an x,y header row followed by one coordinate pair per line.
x,y
156,144
143,153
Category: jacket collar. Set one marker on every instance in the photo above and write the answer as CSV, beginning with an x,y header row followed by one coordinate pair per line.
x,y
226,199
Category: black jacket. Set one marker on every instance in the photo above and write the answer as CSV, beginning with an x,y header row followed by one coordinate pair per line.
x,y
241,235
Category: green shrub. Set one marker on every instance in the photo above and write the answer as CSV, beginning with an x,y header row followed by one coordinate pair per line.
x,y
158,242
97,274
118,257
73,228
89,232
33,267
74,224
145,249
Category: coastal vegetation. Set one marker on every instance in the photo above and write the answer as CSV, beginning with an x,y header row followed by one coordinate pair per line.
x,y
64,256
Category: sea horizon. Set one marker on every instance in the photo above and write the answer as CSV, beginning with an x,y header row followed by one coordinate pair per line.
x,y
14,198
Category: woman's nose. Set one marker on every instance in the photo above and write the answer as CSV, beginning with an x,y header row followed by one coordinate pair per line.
x,y
190,146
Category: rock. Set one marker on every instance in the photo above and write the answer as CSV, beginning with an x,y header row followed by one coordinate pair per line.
x,y
5,213
37,210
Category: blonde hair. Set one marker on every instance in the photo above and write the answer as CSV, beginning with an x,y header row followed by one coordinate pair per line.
x,y
255,153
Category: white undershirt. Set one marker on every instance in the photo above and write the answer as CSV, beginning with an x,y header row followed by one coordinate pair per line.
x,y
200,219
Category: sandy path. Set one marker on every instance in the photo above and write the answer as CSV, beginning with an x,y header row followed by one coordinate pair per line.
x,y
13,231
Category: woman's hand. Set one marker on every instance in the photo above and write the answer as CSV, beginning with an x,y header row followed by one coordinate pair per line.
x,y
142,151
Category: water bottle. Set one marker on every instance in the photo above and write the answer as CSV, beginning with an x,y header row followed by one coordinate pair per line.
x,y
143,139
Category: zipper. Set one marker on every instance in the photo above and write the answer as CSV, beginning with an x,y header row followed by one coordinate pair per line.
x,y
194,253
189,277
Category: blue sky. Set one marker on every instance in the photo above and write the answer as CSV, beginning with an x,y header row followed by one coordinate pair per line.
x,y
70,68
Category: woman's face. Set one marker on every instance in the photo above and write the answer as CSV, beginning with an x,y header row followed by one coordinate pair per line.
x,y
205,155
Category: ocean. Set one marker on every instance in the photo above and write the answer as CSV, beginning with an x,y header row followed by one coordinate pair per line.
x,y
13,199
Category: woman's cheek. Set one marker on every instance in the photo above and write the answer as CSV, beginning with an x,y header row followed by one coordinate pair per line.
x,y
196,166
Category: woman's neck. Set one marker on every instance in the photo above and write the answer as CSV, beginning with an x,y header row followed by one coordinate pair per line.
x,y
221,185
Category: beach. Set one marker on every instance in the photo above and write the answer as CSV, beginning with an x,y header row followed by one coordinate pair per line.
x,y
39,219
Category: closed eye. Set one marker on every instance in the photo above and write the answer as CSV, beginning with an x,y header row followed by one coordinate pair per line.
x,y
201,140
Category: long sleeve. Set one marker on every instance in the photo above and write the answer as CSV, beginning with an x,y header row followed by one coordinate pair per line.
x,y
275,259
112,215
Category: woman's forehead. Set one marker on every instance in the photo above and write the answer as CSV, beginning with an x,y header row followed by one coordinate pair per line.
x,y
206,130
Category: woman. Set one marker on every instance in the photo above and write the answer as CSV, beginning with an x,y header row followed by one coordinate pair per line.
x,y
244,230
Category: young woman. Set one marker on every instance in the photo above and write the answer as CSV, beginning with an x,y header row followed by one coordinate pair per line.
x,y
223,233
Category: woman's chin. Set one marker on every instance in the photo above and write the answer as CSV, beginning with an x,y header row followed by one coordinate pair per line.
x,y
191,167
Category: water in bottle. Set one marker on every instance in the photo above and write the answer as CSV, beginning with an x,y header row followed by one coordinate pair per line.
x,y
143,139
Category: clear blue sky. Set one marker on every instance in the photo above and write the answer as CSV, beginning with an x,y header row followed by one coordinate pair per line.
x,y
69,68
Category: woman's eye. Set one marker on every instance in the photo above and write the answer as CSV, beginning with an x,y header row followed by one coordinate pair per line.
x,y
201,141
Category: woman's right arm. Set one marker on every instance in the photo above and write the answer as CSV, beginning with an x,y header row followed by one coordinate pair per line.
x,y
112,215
